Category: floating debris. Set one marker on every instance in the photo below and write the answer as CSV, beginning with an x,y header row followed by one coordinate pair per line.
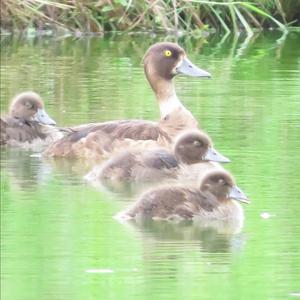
x,y
38,155
265,215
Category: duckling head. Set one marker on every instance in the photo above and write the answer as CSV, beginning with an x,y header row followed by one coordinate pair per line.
x,y
221,185
194,147
29,106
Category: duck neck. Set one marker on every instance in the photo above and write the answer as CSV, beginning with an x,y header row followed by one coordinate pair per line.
x,y
174,117
167,99
169,105
166,96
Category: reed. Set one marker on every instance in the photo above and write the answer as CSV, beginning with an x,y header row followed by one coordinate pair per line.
x,y
151,15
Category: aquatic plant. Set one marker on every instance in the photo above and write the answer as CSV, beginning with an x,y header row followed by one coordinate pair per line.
x,y
152,15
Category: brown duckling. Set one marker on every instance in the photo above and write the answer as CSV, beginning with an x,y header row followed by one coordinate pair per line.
x,y
27,122
162,62
213,199
191,147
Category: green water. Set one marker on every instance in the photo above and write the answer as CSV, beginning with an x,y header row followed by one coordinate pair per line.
x,y
58,236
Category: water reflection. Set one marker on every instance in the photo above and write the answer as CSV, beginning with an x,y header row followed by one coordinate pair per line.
x,y
28,170
23,171
124,188
211,236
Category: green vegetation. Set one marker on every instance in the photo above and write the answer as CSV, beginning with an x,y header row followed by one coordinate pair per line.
x,y
152,15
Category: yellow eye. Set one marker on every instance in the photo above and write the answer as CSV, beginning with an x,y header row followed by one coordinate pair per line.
x,y
168,53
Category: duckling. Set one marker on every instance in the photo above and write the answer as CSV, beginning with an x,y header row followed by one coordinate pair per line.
x,y
211,200
162,62
191,147
27,122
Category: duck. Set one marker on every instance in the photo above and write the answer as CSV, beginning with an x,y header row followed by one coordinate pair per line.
x,y
162,62
155,164
27,123
215,198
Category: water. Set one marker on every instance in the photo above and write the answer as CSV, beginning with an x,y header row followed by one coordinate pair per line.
x,y
58,236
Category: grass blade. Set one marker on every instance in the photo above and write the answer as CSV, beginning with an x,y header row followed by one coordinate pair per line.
x,y
220,19
263,13
243,21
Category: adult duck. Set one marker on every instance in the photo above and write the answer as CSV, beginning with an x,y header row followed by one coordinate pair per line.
x,y
27,124
153,165
214,198
162,62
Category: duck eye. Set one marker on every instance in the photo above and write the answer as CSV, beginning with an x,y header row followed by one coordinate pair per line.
x,y
28,105
197,143
221,181
168,53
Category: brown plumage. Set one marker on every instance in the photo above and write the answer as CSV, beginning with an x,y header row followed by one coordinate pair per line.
x,y
191,147
211,200
161,63
27,122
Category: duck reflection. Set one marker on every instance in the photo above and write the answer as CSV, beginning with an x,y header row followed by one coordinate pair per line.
x,y
178,251
26,170
213,235
23,171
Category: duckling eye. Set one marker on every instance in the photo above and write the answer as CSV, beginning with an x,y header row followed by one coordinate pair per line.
x,y
168,53
197,143
28,105
221,181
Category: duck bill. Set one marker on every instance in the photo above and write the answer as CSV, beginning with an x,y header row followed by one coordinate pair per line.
x,y
42,117
186,67
237,194
213,155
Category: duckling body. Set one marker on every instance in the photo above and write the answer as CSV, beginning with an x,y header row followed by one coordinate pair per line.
x,y
191,147
161,63
140,166
211,200
27,123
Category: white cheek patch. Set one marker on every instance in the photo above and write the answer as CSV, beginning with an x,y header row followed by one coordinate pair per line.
x,y
178,65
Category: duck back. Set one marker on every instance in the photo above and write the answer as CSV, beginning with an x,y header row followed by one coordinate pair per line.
x,y
170,202
110,136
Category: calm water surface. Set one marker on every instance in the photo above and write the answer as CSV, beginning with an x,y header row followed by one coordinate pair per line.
x,y
58,236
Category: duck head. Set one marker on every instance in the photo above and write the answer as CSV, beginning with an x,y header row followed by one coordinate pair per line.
x,y
221,185
28,106
195,146
166,60
162,62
